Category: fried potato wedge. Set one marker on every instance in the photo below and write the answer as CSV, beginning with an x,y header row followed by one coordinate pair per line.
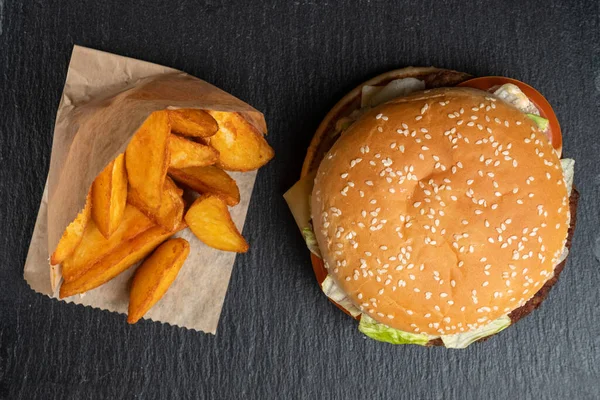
x,y
118,260
240,145
192,122
147,159
209,219
94,246
109,196
211,180
153,278
72,235
170,213
186,153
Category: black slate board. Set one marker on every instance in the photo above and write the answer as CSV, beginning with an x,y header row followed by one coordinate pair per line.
x,y
278,336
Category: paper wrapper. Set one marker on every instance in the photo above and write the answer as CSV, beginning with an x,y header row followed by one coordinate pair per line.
x,y
105,100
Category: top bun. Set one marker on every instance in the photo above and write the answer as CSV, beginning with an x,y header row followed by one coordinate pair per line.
x,y
441,211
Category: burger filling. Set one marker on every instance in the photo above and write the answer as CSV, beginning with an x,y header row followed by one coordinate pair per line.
x,y
373,96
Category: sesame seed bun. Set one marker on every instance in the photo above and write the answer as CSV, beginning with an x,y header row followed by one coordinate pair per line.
x,y
325,135
441,211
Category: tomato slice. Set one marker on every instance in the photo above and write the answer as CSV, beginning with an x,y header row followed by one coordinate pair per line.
x,y
554,133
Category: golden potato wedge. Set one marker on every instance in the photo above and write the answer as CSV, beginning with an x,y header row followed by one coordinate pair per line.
x,y
153,278
109,196
192,122
118,260
209,179
94,246
209,219
147,159
72,234
186,153
170,213
240,145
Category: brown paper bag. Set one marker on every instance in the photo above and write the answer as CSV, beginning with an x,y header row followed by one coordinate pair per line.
x,y
105,100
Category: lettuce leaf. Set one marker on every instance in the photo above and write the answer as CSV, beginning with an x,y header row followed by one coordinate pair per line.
x,y
311,241
374,95
384,333
335,293
568,167
541,122
462,340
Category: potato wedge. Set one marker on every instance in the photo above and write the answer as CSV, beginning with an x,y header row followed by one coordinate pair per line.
x,y
170,213
192,122
147,159
186,153
72,235
95,246
153,278
109,196
240,145
210,180
209,219
118,260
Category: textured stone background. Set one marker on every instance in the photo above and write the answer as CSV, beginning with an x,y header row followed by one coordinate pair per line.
x,y
278,336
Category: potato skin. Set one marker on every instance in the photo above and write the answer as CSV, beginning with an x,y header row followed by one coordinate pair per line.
x,y
193,123
120,259
154,277
72,235
147,159
109,196
240,145
208,180
209,219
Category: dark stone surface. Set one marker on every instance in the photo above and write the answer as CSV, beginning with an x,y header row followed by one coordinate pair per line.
x,y
278,335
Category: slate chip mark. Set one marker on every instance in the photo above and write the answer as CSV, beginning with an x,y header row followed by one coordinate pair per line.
x,y
597,247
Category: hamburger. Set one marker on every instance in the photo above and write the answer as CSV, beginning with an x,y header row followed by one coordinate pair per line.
x,y
437,207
